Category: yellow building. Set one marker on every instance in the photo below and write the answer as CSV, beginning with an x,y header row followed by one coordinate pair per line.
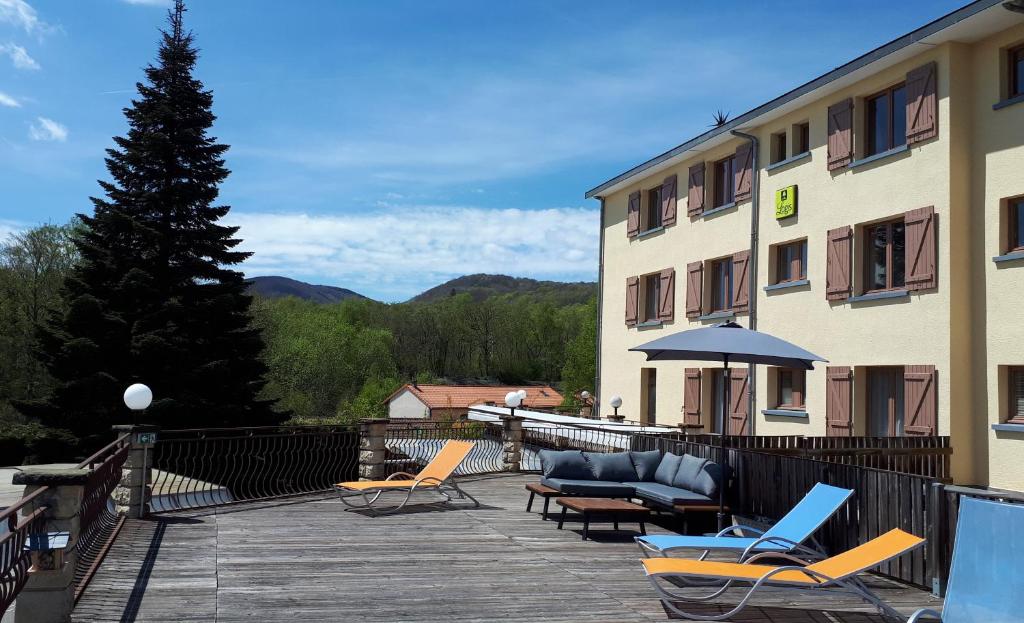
x,y
874,216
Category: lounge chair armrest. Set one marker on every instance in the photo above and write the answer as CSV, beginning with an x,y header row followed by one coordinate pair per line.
x,y
791,545
428,481
925,612
397,474
740,527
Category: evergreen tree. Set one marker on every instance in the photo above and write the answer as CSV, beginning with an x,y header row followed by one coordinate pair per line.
x,y
153,299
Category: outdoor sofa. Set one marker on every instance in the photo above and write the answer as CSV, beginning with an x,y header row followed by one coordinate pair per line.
x,y
662,480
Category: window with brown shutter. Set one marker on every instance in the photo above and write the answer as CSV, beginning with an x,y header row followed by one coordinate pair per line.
x,y
695,184
922,101
921,249
1015,82
668,201
724,182
837,268
1014,225
801,138
921,395
886,119
739,402
694,285
838,401
744,173
667,295
632,300
790,261
721,285
1015,395
790,392
650,297
840,134
691,398
740,281
652,214
777,148
885,394
885,255
633,215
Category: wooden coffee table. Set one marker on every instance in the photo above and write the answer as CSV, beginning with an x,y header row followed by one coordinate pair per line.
x,y
544,491
605,508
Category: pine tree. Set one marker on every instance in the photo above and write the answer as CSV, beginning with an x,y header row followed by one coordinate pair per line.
x,y
153,298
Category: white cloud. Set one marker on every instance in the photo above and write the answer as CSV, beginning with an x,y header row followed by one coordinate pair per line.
x,y
21,14
398,251
19,56
47,130
7,100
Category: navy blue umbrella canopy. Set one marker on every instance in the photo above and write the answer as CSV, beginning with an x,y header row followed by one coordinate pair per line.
x,y
728,342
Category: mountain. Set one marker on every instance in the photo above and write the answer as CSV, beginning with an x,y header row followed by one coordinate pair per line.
x,y
483,286
278,287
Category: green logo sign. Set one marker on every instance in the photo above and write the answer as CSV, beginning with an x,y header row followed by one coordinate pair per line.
x,y
785,202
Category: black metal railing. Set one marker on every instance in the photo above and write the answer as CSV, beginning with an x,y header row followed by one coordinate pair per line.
x,y
209,467
99,523
15,559
411,445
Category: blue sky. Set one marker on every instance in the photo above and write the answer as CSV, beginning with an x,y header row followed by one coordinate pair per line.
x,y
388,146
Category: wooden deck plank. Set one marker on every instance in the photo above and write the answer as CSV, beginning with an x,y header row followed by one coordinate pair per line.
x,y
310,560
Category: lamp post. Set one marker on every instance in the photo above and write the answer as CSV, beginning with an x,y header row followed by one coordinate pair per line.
x,y
616,402
522,398
513,400
138,397
585,396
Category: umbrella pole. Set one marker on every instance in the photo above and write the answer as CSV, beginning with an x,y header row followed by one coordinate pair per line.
x,y
724,460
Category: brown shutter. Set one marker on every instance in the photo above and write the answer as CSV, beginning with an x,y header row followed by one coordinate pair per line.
x,y
741,281
633,215
667,295
837,266
694,295
838,401
920,400
743,173
840,134
922,104
632,300
695,199
739,403
920,249
668,201
691,397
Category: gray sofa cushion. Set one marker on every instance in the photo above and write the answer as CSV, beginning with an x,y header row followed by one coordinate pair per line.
x,y
667,469
709,479
570,464
595,488
646,463
665,494
615,466
689,471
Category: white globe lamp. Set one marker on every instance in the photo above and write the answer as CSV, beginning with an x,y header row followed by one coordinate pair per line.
x,y
138,397
616,402
513,399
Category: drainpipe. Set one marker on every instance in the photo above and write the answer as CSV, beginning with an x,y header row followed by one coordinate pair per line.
x,y
600,307
755,198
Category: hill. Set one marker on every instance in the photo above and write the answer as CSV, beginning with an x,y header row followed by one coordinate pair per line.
x,y
482,286
279,287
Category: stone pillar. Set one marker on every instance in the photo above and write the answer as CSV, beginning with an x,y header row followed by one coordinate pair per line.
x,y
372,433
132,494
511,443
49,594
616,418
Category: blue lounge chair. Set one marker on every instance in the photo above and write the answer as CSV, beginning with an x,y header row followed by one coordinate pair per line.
x,y
986,578
784,539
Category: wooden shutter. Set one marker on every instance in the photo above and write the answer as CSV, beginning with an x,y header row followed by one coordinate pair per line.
x,y
633,215
739,403
922,104
837,267
741,281
920,400
695,198
667,295
668,201
840,134
743,172
694,294
632,300
691,398
838,401
920,249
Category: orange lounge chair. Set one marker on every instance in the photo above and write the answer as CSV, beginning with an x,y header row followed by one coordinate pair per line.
x,y
838,573
436,476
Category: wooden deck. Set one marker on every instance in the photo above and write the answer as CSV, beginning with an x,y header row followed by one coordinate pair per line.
x,y
308,560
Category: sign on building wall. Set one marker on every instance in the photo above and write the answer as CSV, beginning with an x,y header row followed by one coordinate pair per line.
x,y
785,202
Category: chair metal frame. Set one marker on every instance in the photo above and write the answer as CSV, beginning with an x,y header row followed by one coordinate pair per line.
x,y
428,483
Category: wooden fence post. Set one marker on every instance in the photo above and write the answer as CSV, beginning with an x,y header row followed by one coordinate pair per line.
x,y
937,532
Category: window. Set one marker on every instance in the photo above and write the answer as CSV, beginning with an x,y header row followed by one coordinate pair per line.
x,y
802,138
653,214
791,261
1015,414
649,396
721,285
791,388
885,401
718,418
778,147
1016,82
652,292
887,120
724,184
884,256
1016,224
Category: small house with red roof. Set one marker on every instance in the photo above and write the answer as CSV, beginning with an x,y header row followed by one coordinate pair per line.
x,y
415,401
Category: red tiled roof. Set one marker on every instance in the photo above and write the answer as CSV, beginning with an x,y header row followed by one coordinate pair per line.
x,y
462,396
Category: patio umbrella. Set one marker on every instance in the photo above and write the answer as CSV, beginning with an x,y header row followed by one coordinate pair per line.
x,y
727,342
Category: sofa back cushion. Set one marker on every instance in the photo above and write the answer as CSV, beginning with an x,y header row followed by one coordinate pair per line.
x,y
614,466
646,463
667,468
568,464
689,470
709,479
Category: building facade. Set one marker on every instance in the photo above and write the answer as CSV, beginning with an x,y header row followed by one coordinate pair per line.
x,y
873,216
